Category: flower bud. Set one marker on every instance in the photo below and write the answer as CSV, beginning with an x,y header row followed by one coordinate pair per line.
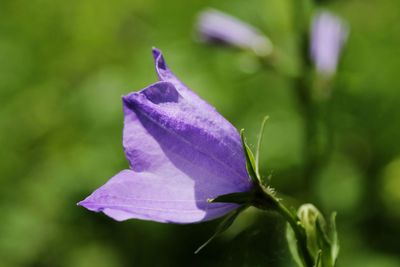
x,y
217,27
328,35
309,215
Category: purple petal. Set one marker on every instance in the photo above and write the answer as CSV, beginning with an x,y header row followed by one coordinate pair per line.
x,y
329,33
215,26
147,196
166,75
181,152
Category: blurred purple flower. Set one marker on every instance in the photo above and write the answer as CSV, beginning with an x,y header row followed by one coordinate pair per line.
x,y
218,27
181,151
329,33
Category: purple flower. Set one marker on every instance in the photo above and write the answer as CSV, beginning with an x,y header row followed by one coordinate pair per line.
x,y
215,26
181,153
329,33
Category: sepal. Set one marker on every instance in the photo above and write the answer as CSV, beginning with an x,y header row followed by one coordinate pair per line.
x,y
222,227
250,161
237,198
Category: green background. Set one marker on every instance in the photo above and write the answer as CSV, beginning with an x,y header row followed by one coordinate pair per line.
x,y
63,68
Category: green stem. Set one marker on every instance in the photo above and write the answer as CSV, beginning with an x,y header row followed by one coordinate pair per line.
x,y
318,135
309,112
266,201
299,233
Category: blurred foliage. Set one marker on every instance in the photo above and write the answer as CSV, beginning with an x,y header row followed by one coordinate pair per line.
x,y
64,66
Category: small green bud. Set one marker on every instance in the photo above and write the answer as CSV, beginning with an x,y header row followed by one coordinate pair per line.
x,y
322,241
309,215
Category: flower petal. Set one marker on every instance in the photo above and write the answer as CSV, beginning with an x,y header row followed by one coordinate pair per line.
x,y
168,115
202,144
147,196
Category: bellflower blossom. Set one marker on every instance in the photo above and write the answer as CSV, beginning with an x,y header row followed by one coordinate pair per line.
x,y
329,33
181,153
215,26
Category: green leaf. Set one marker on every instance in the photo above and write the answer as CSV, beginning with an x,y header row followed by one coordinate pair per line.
x,y
293,245
334,239
222,227
250,163
323,242
322,229
259,140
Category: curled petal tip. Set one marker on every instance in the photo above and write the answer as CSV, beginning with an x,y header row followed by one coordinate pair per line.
x,y
162,69
156,52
